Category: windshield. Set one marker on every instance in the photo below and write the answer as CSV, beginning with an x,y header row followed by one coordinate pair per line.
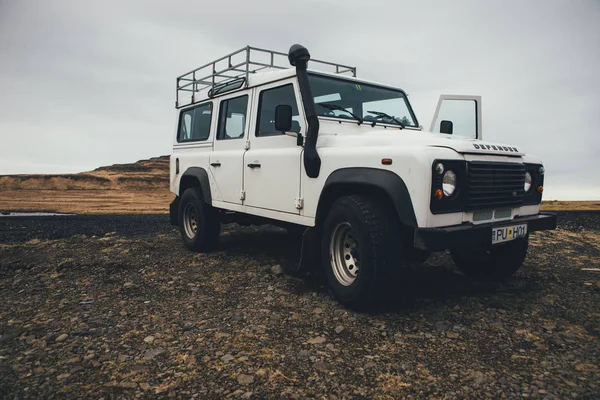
x,y
374,104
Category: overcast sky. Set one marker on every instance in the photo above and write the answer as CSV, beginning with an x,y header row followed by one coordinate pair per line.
x,y
91,83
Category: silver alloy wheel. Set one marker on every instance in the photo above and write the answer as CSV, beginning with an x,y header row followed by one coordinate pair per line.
x,y
344,254
190,222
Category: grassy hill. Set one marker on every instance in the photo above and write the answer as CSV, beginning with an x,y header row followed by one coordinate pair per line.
x,y
139,188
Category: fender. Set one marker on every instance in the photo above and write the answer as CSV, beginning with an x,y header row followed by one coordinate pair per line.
x,y
361,178
199,174
351,180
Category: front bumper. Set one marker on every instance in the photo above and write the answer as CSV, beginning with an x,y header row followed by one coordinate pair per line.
x,y
436,239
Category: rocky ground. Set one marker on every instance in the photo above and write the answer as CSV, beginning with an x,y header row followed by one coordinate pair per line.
x,y
114,306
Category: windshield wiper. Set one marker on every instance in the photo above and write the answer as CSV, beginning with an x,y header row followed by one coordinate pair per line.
x,y
384,115
340,108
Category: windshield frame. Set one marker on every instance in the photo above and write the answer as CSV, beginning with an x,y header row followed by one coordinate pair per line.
x,y
374,85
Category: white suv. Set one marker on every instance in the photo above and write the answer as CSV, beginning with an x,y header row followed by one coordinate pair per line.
x,y
346,162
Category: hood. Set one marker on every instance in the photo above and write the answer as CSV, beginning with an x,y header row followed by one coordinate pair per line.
x,y
347,134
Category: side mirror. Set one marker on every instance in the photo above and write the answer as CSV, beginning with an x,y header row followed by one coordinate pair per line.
x,y
283,118
446,127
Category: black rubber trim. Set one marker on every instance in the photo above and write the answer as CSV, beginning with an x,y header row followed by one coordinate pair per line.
x,y
533,197
437,239
202,176
174,211
382,179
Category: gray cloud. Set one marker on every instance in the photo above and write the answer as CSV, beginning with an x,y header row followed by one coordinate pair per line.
x,y
91,83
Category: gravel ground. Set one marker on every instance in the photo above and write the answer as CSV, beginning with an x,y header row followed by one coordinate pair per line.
x,y
114,306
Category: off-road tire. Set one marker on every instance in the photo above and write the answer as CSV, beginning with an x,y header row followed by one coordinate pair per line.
x,y
207,222
497,263
376,231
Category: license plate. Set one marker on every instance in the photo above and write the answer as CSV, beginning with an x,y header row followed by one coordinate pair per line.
x,y
508,233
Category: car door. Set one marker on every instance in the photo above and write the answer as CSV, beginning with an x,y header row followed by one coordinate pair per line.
x,y
272,164
458,115
226,160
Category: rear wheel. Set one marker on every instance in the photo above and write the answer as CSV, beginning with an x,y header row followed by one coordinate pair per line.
x,y
357,247
199,223
497,263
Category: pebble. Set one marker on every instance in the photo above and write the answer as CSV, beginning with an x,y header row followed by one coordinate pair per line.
x,y
277,269
62,377
452,335
322,366
227,358
149,339
303,354
244,379
339,329
317,340
128,285
151,354
61,338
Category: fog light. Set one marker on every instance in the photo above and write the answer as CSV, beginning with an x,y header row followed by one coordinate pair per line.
x,y
438,194
540,189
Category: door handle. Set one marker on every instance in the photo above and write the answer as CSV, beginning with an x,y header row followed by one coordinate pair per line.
x,y
254,165
215,164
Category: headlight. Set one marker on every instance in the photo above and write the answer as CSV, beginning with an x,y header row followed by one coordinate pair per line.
x,y
527,182
449,183
541,170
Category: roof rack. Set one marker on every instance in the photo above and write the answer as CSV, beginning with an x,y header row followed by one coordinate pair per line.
x,y
231,72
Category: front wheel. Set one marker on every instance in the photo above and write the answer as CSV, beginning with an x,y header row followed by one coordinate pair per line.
x,y
357,247
199,223
497,263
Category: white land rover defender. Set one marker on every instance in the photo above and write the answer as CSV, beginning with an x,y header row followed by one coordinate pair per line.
x,y
345,162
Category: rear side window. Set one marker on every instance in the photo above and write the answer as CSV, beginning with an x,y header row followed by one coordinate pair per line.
x,y
268,100
232,118
194,124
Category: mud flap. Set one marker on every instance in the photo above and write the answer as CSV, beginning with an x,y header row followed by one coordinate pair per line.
x,y
174,212
309,254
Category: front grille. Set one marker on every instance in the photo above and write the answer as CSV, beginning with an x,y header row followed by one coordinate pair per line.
x,y
483,215
495,184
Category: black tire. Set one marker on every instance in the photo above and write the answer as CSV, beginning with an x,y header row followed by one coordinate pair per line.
x,y
498,263
375,231
205,236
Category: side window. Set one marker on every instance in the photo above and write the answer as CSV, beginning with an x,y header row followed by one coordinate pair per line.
x,y
232,118
185,126
267,102
195,124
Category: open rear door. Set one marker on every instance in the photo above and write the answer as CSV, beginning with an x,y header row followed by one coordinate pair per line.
x,y
458,115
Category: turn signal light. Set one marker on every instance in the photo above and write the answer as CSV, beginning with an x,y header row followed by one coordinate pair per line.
x,y
540,189
439,194
386,161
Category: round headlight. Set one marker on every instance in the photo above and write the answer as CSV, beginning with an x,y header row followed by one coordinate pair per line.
x,y
527,182
541,170
449,183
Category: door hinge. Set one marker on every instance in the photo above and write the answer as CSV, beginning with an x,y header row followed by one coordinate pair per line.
x,y
247,145
242,194
299,203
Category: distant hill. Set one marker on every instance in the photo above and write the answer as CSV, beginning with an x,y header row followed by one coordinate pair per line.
x,y
137,188
141,175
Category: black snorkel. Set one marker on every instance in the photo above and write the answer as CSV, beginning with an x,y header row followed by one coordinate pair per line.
x,y
298,57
